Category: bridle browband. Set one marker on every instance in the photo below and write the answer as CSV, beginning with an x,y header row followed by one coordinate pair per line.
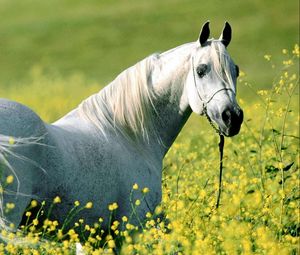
x,y
204,102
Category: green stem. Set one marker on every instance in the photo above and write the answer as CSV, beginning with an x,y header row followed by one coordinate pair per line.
x,y
282,151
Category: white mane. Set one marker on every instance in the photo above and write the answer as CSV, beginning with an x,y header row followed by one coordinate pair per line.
x,y
125,105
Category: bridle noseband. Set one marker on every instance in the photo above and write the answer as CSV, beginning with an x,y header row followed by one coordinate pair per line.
x,y
204,102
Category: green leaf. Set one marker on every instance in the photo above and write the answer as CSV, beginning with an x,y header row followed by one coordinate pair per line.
x,y
288,167
271,169
276,131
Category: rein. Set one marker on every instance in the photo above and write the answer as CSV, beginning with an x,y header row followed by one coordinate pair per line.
x,y
221,149
222,140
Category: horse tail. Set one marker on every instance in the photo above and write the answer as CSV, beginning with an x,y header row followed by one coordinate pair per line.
x,y
9,234
6,143
7,146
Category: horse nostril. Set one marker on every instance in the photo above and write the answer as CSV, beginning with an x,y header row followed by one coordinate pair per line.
x,y
226,116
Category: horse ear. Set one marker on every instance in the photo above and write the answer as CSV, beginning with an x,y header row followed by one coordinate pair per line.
x,y
204,34
226,34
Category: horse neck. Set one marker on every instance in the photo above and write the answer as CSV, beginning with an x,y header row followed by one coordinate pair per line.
x,y
173,110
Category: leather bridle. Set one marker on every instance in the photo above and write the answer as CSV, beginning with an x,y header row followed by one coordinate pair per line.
x,y
205,102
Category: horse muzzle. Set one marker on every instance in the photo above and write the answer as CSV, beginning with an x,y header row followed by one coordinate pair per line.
x,y
232,119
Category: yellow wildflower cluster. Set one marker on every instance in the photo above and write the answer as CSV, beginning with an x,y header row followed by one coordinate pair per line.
x,y
259,207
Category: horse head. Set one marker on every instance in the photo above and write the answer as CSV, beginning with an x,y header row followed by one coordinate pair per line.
x,y
212,82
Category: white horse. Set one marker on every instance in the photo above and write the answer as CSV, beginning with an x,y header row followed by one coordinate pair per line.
x,y
118,136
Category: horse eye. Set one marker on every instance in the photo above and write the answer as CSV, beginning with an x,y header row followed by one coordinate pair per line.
x,y
237,70
202,70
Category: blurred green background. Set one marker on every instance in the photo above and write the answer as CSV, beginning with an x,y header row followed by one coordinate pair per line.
x,y
98,39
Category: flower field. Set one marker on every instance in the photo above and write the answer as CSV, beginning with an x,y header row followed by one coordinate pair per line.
x,y
259,207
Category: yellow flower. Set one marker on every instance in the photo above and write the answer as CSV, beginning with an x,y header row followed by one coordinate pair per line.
x,y
57,200
10,206
267,57
109,237
135,186
128,239
11,141
9,179
288,62
111,244
124,218
73,235
296,50
34,203
137,202
76,203
89,205
116,223
28,214
112,206
158,210
59,234
242,74
202,193
11,249
145,190
66,244
280,165
129,226
262,92
35,222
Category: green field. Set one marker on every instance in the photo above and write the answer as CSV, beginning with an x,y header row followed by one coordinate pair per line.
x,y
53,54
101,38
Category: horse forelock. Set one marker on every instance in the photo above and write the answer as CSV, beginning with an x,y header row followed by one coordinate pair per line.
x,y
222,63
126,104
